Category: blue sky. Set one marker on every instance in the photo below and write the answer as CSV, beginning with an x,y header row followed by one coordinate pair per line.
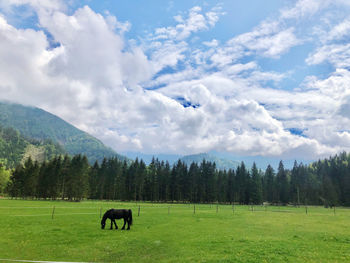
x,y
249,78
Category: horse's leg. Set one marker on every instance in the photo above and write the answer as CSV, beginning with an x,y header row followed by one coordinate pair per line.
x,y
116,227
112,223
124,224
128,225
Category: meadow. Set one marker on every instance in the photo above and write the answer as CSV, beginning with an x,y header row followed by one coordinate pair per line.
x,y
67,231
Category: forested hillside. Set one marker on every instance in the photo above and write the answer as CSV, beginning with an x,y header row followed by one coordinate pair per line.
x,y
326,182
14,148
41,125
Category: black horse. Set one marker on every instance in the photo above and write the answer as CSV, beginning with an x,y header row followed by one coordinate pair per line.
x,y
113,214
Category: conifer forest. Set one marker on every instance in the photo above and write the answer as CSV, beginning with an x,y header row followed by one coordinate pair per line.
x,y
325,182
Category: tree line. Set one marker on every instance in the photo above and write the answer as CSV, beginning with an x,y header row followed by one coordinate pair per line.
x,y
325,182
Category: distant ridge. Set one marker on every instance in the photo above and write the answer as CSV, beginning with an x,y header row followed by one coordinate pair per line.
x,y
221,164
38,124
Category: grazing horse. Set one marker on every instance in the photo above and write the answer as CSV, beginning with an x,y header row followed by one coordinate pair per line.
x,y
113,214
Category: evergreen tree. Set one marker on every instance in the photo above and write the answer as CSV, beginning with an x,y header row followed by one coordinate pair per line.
x,y
269,183
17,180
230,186
165,182
294,186
194,177
93,181
282,184
4,178
256,186
65,167
221,186
243,184
30,178
78,181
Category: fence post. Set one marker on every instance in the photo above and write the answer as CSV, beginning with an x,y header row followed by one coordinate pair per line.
x,y
100,212
138,213
194,208
53,212
306,209
168,210
217,208
233,208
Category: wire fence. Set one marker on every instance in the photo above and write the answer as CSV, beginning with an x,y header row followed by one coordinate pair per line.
x,y
141,208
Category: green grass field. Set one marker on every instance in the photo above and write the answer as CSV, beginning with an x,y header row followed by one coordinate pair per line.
x,y
285,234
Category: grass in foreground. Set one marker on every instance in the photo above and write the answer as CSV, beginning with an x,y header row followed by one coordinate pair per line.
x,y
173,233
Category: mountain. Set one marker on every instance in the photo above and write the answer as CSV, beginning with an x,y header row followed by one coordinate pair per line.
x,y
221,163
147,158
261,161
223,160
40,125
15,149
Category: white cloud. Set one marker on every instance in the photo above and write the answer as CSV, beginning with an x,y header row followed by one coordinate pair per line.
x,y
334,47
268,40
94,79
339,31
196,21
304,8
213,43
48,5
167,46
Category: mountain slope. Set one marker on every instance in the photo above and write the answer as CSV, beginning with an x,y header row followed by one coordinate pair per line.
x,y
221,164
40,125
15,149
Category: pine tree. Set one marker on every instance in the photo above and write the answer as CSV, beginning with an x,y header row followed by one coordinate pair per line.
x,y
282,184
230,190
221,186
269,183
193,175
30,178
294,186
78,180
93,181
243,184
16,188
64,176
256,186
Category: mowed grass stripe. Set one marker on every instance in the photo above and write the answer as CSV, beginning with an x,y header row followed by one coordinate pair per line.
x,y
34,261
58,214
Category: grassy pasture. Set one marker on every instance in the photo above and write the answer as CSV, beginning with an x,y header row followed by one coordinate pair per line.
x,y
173,233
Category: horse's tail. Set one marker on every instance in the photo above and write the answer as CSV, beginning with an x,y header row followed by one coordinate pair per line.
x,y
130,217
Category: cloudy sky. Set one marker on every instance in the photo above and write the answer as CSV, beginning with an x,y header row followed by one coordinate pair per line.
x,y
269,78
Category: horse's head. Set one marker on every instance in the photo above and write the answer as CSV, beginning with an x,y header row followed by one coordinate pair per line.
x,y
103,224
